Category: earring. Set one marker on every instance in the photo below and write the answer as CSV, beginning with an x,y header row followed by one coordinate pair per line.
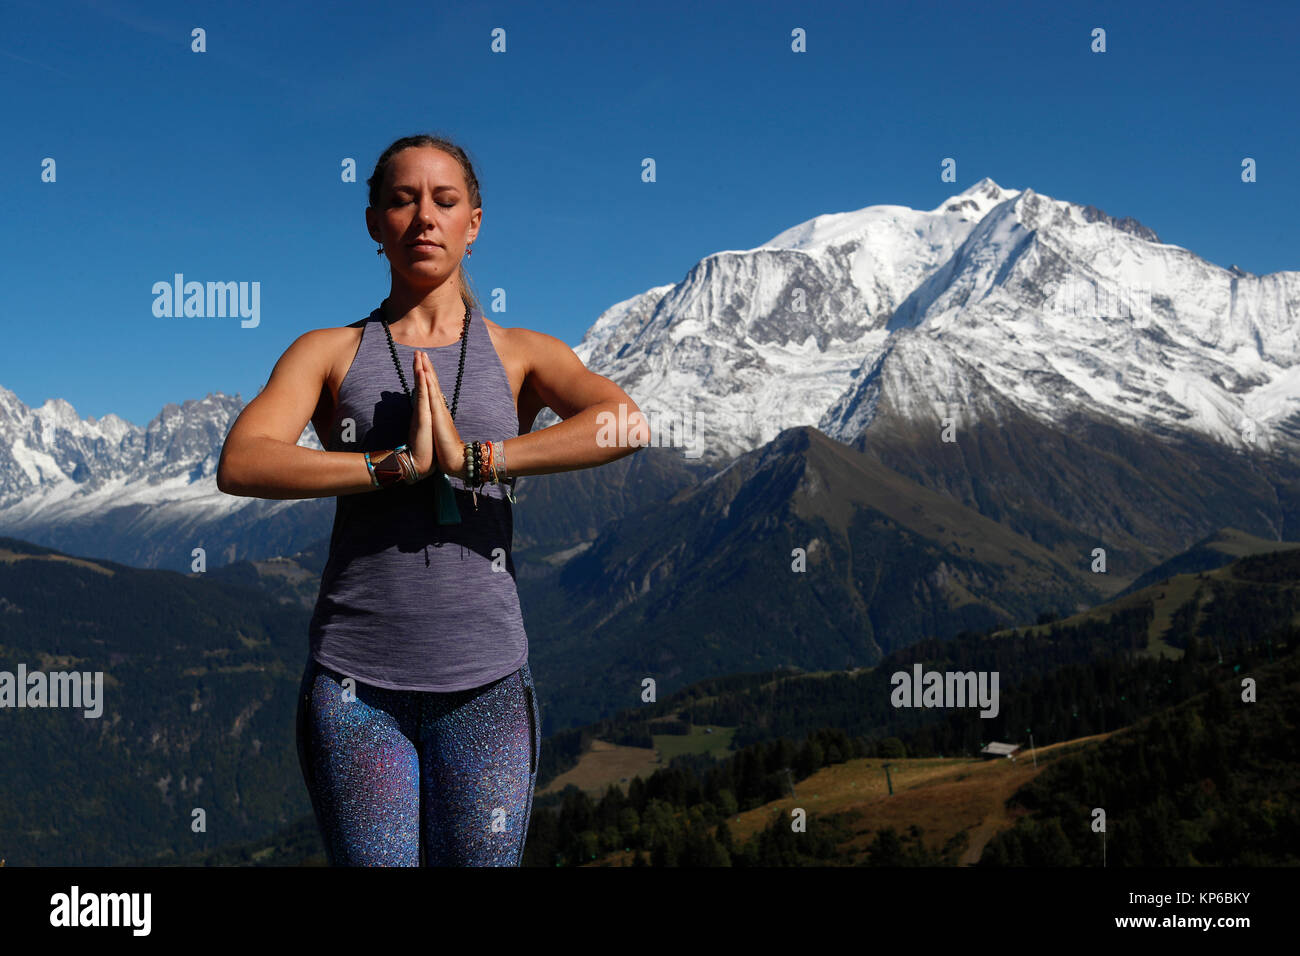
x,y
469,250
380,250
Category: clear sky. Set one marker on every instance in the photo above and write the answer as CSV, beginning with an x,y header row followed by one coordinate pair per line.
x,y
225,165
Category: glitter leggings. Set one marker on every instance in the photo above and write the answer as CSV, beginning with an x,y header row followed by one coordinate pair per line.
x,y
411,778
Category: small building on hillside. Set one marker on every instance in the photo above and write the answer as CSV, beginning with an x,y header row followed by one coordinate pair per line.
x,y
989,751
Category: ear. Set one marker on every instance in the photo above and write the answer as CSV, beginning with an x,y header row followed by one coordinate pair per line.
x,y
372,225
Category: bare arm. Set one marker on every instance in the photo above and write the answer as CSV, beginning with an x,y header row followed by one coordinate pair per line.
x,y
600,422
261,457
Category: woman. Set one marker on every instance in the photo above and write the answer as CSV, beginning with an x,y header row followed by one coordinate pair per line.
x,y
418,729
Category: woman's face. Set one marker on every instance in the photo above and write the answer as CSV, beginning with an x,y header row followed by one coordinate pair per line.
x,y
424,200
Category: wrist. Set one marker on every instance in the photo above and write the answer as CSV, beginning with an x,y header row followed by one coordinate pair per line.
x,y
473,468
482,462
410,473
371,470
389,467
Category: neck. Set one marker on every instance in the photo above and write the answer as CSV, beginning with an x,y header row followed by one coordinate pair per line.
x,y
437,314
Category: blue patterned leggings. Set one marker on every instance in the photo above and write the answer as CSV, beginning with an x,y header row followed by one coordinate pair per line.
x,y
412,778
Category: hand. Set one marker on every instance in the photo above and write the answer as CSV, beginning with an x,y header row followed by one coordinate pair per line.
x,y
419,441
447,445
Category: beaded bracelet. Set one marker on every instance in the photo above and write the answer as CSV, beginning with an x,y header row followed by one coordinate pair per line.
x,y
486,462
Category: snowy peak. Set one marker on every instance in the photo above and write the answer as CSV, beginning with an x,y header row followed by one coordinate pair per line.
x,y
1126,224
879,224
996,296
986,188
1057,307
1035,210
975,200
193,431
53,462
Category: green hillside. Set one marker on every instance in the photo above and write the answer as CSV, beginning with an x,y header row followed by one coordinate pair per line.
x,y
200,682
1065,682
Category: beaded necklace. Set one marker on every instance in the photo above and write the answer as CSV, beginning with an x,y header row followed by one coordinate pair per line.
x,y
460,372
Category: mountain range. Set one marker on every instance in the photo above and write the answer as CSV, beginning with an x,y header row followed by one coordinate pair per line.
x,y
1057,369
994,299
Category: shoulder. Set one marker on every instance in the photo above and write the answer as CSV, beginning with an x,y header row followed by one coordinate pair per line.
x,y
337,335
333,334
328,347
528,344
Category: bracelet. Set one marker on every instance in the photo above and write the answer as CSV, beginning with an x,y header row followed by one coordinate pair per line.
x,y
496,466
485,463
410,474
397,465
508,480
469,463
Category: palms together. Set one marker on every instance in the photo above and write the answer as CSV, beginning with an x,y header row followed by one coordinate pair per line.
x,y
433,438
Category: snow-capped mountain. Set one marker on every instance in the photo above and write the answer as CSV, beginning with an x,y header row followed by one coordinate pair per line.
x,y
1058,313
851,322
993,296
70,481
55,466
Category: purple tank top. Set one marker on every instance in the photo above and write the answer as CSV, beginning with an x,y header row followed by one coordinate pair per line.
x,y
406,603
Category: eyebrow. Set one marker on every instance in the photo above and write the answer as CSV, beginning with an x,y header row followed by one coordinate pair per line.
x,y
413,188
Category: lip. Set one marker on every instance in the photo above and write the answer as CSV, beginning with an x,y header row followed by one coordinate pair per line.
x,y
422,244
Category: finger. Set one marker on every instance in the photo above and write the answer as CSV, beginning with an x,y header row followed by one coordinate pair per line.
x,y
430,370
434,392
422,387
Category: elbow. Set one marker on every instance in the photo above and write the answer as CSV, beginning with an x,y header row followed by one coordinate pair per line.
x,y
224,484
227,480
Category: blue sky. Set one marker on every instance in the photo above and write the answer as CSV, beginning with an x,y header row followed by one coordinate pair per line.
x,y
225,165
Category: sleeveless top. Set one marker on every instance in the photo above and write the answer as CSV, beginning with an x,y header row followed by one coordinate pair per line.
x,y
406,603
